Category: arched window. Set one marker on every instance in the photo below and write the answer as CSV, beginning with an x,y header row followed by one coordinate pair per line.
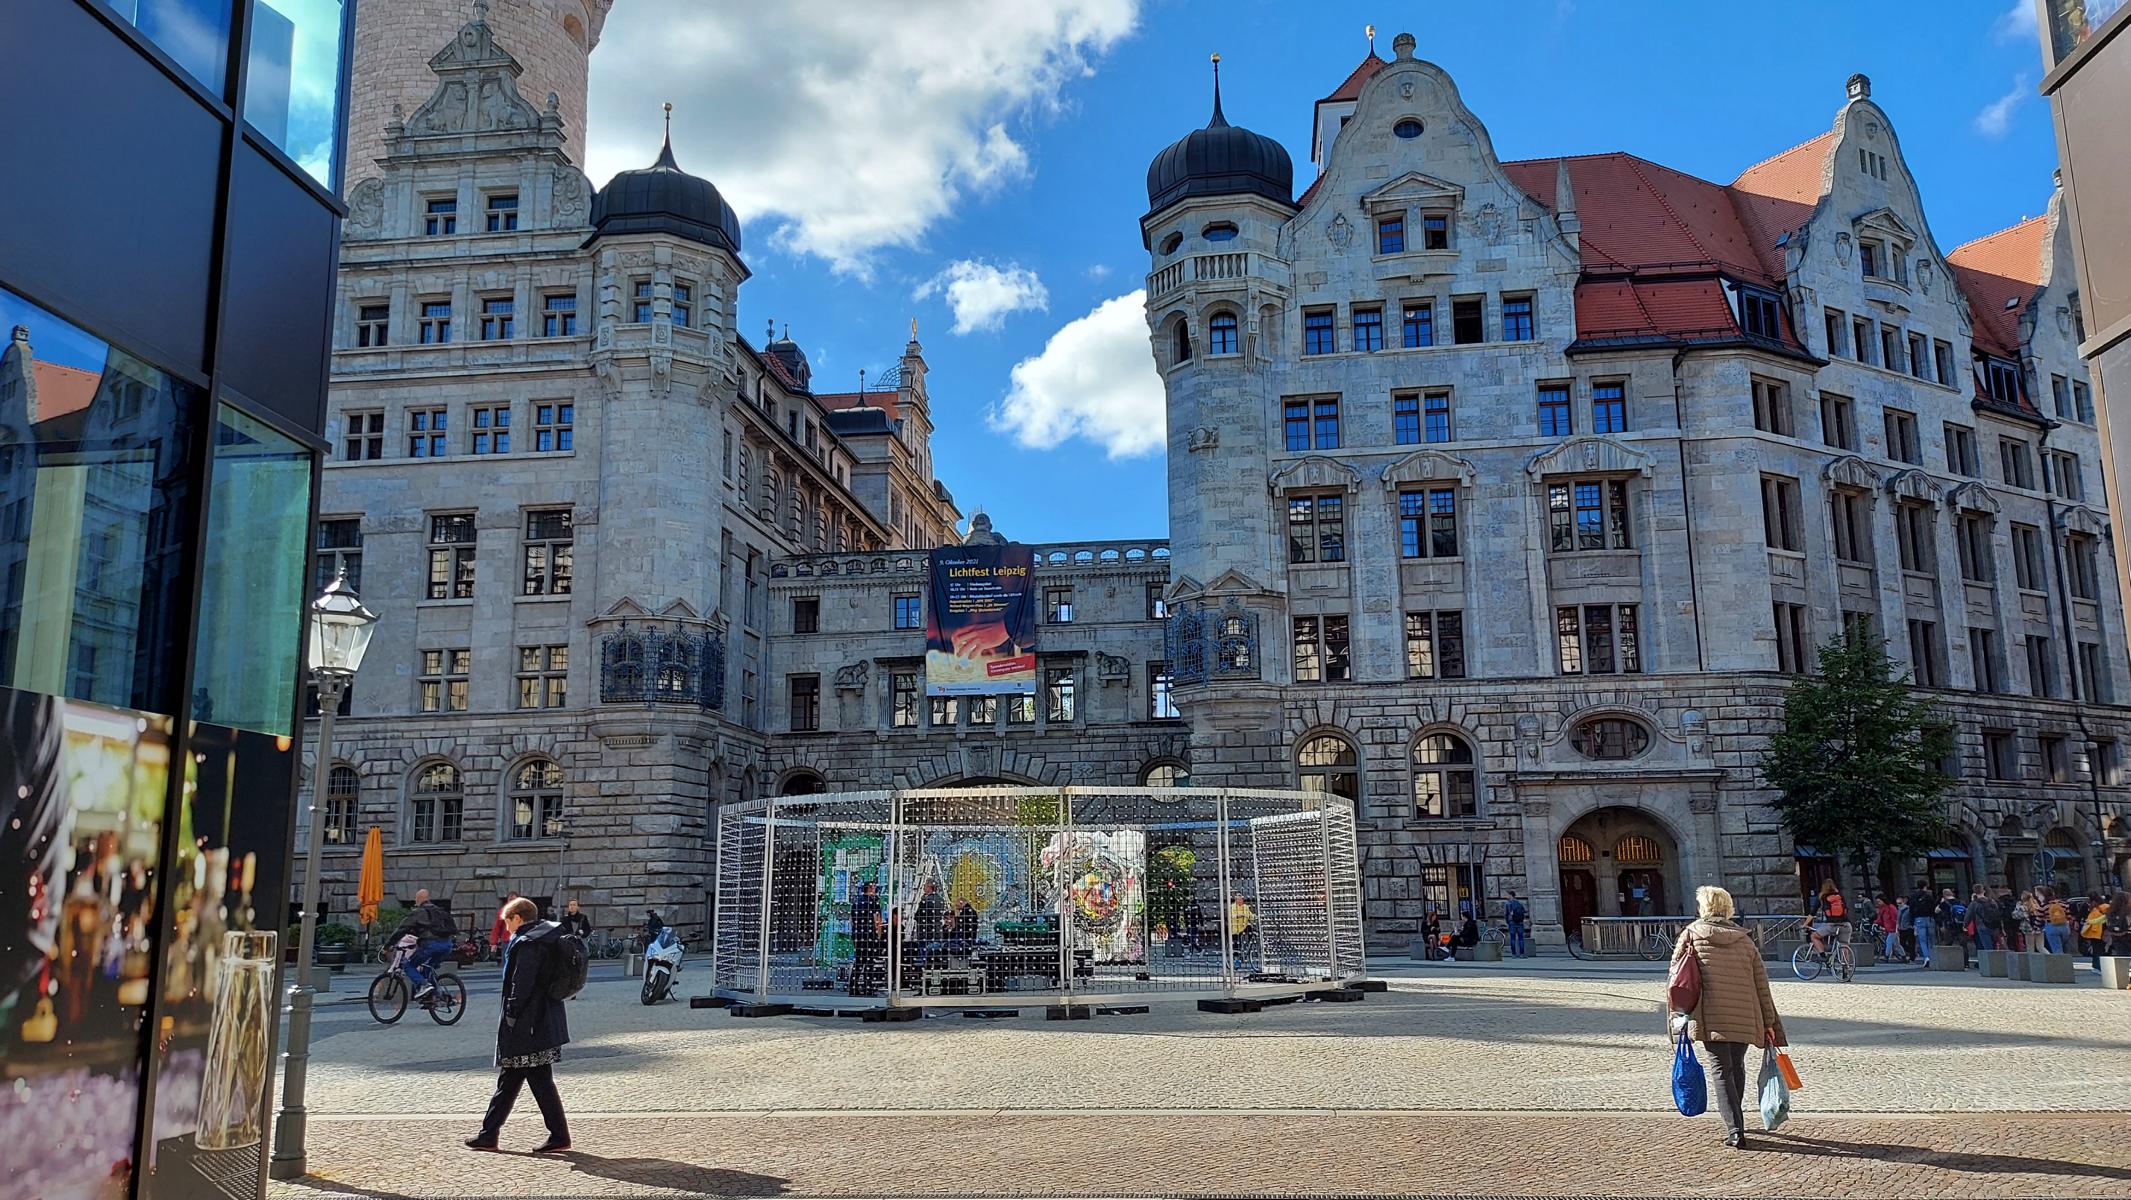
x,y
1610,738
1180,340
1219,231
1221,334
802,783
1444,782
1573,851
1327,763
536,799
1408,128
1170,243
1638,850
1165,774
342,785
436,812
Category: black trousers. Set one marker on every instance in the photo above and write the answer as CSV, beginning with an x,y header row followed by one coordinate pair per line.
x,y
542,1081
1727,1062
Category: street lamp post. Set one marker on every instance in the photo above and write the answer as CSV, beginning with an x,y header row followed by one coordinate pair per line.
x,y
340,630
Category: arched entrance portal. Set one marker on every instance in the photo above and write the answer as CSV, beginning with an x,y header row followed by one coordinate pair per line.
x,y
1617,862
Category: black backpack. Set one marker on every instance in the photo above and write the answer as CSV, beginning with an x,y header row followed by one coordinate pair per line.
x,y
568,965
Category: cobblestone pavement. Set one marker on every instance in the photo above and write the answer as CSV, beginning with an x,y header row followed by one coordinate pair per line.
x,y
1465,1038
1140,1153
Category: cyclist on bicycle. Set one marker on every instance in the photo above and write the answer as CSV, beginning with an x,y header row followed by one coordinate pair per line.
x,y
1831,916
434,930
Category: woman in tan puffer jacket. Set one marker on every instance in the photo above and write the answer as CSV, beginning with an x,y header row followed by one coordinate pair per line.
x,y
1736,1010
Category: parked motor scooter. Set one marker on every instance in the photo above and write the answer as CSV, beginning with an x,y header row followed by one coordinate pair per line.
x,y
662,961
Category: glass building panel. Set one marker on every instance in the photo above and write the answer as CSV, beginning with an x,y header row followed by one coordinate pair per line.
x,y
96,505
194,33
292,80
251,592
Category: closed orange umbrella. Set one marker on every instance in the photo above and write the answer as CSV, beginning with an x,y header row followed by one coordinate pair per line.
x,y
370,887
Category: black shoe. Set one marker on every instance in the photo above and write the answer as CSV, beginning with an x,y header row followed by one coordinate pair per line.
x,y
1736,1141
556,1144
481,1141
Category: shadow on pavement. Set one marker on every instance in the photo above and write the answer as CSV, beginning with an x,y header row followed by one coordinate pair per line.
x,y
685,1177
1950,1160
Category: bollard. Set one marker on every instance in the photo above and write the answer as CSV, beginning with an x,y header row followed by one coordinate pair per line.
x,y
1992,963
2049,968
2116,973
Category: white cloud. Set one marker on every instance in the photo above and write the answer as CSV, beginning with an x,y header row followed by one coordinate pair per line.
x,y
981,295
1997,116
1094,379
2016,23
1098,271
841,129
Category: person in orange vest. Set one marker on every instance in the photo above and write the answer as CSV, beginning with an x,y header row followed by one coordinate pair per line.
x,y
1831,914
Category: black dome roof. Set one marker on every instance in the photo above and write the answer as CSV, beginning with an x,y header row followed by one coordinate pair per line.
x,y
1220,160
662,198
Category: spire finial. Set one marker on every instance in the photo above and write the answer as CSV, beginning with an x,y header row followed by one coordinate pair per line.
x,y
913,329
1371,31
666,148
1218,119
769,330
480,10
787,331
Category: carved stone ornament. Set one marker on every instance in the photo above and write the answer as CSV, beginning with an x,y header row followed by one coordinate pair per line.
x,y
1915,485
1842,248
1315,472
366,209
477,88
1702,803
1112,668
569,193
1489,222
1973,497
2064,321
1340,233
852,678
1851,471
1203,437
635,258
1591,452
1923,275
1405,90
1425,466
2080,519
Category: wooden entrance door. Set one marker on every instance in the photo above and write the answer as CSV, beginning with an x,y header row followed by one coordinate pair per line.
x,y
1579,899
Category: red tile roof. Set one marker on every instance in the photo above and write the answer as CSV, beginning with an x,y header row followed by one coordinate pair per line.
x,y
2001,274
1776,195
1351,89
837,401
63,390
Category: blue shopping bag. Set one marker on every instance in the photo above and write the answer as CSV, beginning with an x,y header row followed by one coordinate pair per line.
x,y
1690,1091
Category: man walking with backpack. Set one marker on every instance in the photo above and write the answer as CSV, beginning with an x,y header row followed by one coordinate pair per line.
x,y
1514,917
537,977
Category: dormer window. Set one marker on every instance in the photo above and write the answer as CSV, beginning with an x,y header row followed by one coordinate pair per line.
x,y
1219,231
1760,314
1999,379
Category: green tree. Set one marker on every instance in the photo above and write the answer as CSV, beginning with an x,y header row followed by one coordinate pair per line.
x,y
1856,764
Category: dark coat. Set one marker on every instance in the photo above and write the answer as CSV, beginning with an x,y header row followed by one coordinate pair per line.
x,y
533,1021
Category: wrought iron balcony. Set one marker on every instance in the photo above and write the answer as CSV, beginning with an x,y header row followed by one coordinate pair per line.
x,y
1204,643
662,664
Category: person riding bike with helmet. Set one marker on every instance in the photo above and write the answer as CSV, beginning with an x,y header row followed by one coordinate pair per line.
x,y
433,929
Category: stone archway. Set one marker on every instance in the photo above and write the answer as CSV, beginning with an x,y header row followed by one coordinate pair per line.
x,y
1630,867
1677,811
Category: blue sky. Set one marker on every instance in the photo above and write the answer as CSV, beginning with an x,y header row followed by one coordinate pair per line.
x,y
948,159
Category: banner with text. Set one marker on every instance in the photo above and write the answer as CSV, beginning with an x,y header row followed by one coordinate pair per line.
x,y
980,627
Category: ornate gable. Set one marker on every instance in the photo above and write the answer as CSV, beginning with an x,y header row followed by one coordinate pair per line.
x,y
1315,471
477,87
1591,452
1973,497
1423,466
1414,190
1851,471
1913,484
2078,518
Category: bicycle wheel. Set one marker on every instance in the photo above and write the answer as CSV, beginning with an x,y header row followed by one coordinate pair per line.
x,y
1656,946
388,997
448,1003
1806,964
1845,963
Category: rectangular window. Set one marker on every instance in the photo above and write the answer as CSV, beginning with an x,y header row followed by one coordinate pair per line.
x,y
1961,451
1058,689
426,432
1368,329
1942,360
909,612
2082,399
1857,626
983,710
1436,417
1868,259
553,425
946,710
451,556
903,700
1157,605
1838,421
1295,415
558,314
2082,565
1588,514
1221,334
2107,764
1419,324
543,676
1861,339
1325,422
1317,528
1391,235
492,429
1321,649
1467,321
805,708
444,679
1983,660
683,312
2000,379
503,213
1435,231
548,548
1435,644
1161,704
1609,407
2001,759
1971,539
1517,319
440,218
1916,536
2093,684
1793,649
2027,558
806,614
2069,482
1850,517
1780,522
1760,314
1924,653
640,302
2041,667
1317,331
1836,323
1058,605
1900,428
363,437
1772,406
1919,356
1554,411
2056,759
434,329
1021,709
373,323
1406,418
1890,348
1598,639
2014,466
340,548
1428,523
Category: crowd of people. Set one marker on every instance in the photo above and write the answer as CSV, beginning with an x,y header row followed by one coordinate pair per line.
x,y
2037,920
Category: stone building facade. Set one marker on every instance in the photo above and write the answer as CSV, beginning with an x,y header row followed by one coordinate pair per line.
x,y
1505,498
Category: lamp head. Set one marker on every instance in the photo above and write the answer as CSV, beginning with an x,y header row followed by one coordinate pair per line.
x,y
340,629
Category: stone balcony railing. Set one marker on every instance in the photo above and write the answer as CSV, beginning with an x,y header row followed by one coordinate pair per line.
x,y
1199,268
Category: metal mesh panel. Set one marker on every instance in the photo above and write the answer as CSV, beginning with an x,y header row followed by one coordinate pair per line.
x,y
736,944
1348,956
